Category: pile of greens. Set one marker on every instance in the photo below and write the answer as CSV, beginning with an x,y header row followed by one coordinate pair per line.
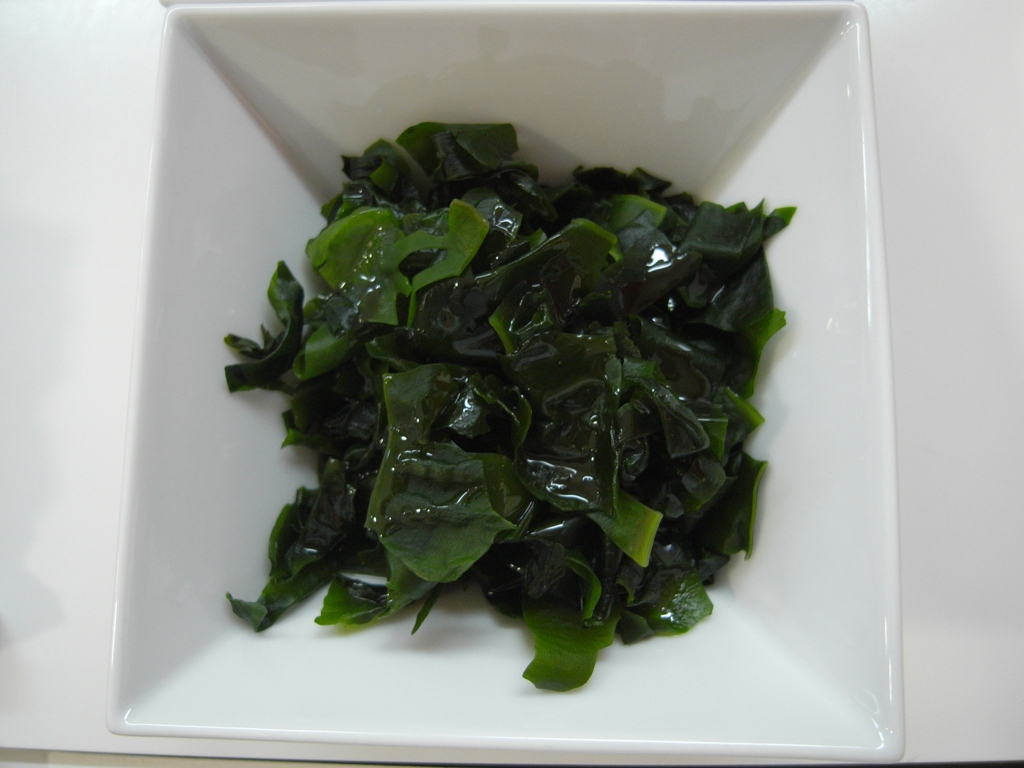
x,y
540,389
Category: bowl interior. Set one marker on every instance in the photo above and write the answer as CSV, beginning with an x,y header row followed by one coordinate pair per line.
x,y
732,102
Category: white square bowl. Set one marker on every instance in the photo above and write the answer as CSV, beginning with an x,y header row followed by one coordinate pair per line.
x,y
732,101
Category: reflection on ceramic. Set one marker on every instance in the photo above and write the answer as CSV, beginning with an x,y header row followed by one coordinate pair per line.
x,y
801,658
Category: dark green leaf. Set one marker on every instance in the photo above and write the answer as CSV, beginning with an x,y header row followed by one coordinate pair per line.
x,y
385,167
716,428
488,144
498,215
726,238
684,434
508,399
404,586
466,231
743,300
754,337
432,503
526,312
500,575
467,414
674,358
416,399
729,526
451,324
287,530
567,456
352,602
674,601
428,604
452,150
777,221
281,594
632,628
582,242
249,348
417,141
352,256
330,523
647,271
743,418
348,249
437,518
652,185
275,359
605,182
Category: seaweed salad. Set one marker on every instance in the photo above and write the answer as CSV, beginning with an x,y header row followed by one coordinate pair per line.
x,y
543,390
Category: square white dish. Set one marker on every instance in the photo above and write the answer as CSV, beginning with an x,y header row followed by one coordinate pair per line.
x,y
736,101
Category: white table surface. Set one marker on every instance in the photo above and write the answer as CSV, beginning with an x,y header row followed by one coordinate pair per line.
x,y
77,90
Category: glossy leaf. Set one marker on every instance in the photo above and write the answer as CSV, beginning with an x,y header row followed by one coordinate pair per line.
x,y
683,431
582,242
567,457
432,504
650,269
466,232
743,300
451,325
438,518
385,167
675,359
351,251
499,216
526,312
675,601
416,399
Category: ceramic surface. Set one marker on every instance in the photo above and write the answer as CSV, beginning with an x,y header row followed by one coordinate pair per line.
x,y
801,658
